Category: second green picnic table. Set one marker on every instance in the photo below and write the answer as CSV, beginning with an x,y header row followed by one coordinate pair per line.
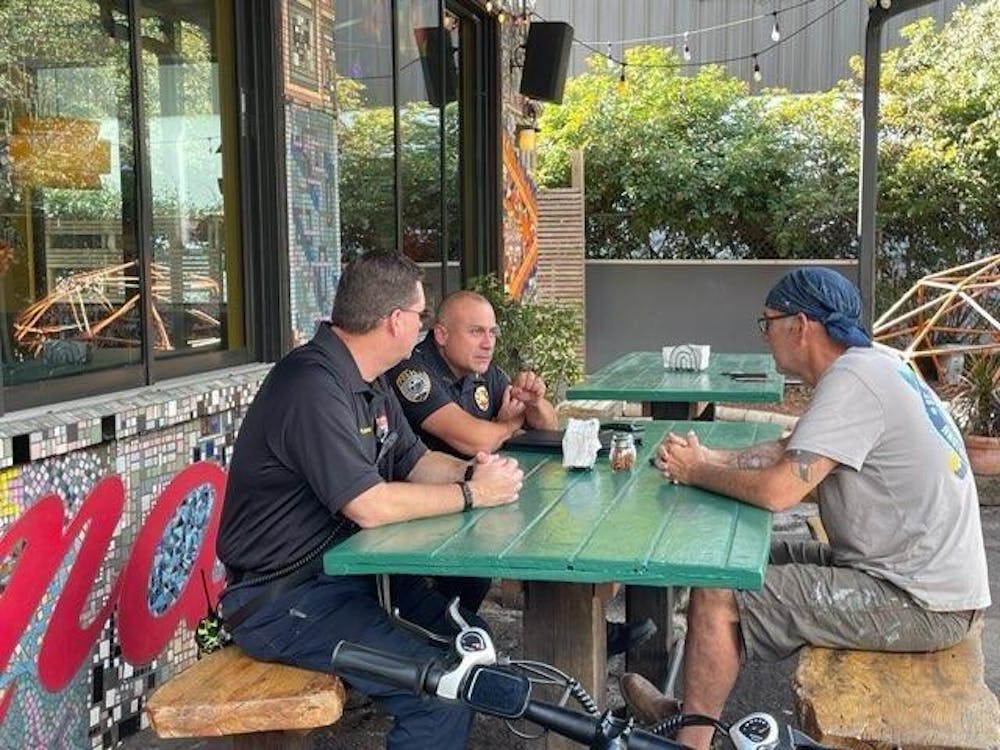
x,y
641,376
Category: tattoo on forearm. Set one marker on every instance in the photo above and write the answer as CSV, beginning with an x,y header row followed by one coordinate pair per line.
x,y
758,456
801,464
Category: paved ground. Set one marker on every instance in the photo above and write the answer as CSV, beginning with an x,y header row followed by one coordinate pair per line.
x,y
760,687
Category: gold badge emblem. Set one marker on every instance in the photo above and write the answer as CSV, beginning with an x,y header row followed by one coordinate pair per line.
x,y
482,397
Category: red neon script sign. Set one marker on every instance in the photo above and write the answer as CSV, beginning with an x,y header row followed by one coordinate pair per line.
x,y
142,635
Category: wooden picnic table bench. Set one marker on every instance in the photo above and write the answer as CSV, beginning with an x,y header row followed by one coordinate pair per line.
x,y
263,705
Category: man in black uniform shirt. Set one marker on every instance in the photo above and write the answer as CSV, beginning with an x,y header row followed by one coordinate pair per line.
x,y
452,392
324,450
459,401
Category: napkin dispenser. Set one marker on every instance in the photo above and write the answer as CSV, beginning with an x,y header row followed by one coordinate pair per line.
x,y
687,357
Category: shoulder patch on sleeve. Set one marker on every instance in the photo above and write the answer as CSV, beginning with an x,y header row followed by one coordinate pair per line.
x,y
414,385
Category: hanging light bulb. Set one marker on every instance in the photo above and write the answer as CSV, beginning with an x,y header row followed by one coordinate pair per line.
x,y
885,4
489,6
501,17
775,31
687,48
757,75
611,58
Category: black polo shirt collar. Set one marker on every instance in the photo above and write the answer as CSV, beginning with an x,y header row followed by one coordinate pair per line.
x,y
340,356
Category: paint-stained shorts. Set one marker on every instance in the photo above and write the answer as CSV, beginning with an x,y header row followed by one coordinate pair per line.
x,y
806,600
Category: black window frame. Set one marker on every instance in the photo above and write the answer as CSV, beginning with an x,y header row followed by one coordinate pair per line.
x,y
480,154
263,230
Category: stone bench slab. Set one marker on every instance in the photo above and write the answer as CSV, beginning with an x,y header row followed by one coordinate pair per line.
x,y
879,701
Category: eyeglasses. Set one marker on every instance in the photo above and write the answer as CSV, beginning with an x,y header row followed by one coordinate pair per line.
x,y
482,331
426,315
764,321
478,332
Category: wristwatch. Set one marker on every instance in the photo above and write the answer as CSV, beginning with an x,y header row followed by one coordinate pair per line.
x,y
466,495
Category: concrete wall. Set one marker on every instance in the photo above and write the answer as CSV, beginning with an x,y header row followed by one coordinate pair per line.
x,y
633,305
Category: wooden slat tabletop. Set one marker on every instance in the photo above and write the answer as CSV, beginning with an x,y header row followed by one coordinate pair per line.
x,y
641,376
587,526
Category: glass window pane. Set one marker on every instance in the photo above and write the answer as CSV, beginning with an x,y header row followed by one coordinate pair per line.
x,y
189,113
427,80
363,40
69,292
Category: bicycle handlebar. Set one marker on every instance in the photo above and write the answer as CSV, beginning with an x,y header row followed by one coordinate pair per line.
x,y
423,677
470,674
410,674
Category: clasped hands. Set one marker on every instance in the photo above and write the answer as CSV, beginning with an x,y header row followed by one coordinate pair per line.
x,y
526,391
496,480
677,457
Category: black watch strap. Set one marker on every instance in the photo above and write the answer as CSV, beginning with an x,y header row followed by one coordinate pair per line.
x,y
466,495
469,470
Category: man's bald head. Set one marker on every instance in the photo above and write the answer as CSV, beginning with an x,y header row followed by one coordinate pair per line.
x,y
460,301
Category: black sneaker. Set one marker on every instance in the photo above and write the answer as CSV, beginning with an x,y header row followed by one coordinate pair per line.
x,y
623,636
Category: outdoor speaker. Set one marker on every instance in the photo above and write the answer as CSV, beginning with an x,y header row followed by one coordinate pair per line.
x,y
432,42
546,60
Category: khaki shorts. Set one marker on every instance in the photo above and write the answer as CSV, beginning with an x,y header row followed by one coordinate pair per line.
x,y
806,600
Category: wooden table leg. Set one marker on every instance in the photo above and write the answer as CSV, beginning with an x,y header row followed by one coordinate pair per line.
x,y
564,626
650,658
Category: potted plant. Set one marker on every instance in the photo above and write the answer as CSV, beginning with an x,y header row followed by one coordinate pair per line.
x,y
977,410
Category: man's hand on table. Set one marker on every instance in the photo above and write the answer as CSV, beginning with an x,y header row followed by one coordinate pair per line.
x,y
677,457
496,480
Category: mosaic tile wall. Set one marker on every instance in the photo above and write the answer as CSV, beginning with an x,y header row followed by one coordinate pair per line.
x,y
146,439
311,158
313,224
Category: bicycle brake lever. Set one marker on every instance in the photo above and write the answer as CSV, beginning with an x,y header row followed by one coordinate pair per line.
x,y
456,616
417,630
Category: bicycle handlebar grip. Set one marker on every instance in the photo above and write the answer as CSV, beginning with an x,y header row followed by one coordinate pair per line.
x,y
390,669
582,727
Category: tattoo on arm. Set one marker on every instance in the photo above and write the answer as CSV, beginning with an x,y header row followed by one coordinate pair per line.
x,y
801,463
758,456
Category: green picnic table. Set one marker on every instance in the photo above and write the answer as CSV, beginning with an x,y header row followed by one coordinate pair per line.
x,y
572,531
641,376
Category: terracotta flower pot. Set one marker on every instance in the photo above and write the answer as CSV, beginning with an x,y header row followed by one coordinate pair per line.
x,y
984,454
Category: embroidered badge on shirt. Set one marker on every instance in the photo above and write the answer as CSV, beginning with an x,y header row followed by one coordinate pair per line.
x,y
414,385
482,397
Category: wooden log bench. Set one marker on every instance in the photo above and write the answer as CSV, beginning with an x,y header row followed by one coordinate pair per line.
x,y
880,701
868,700
264,706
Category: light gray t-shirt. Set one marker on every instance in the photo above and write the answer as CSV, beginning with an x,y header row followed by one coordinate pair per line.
x,y
902,502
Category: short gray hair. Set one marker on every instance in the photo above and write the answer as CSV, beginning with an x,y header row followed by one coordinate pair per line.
x,y
371,287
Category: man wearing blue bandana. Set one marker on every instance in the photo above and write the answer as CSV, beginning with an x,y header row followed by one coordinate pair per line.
x,y
905,567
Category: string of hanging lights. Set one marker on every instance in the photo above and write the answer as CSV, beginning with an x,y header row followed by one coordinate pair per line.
x,y
777,37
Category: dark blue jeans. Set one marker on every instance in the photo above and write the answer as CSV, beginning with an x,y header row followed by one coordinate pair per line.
x,y
303,626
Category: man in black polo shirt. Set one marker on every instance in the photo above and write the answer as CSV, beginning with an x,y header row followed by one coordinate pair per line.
x,y
323,450
459,401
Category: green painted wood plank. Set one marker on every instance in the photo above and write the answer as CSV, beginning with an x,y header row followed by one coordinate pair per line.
x,y
640,376
586,526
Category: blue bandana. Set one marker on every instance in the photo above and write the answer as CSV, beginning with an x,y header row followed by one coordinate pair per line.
x,y
823,295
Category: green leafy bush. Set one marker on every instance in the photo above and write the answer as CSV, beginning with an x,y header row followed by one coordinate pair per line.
x,y
535,335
